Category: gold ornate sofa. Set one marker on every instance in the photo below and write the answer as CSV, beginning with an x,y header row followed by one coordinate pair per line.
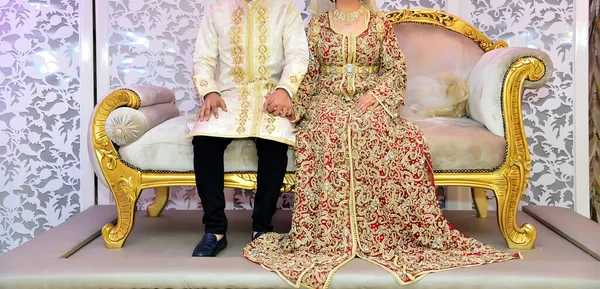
x,y
137,136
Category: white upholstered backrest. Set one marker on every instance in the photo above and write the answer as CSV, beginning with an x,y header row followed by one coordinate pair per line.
x,y
431,51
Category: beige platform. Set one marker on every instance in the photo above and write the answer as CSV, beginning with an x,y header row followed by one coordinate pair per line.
x,y
157,252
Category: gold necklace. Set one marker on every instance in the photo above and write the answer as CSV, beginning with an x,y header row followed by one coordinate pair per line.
x,y
348,18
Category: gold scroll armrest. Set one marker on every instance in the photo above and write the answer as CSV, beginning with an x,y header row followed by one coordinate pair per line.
x,y
102,151
498,79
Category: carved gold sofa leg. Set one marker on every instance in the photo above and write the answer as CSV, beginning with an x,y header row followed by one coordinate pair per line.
x,y
126,190
508,196
160,202
480,201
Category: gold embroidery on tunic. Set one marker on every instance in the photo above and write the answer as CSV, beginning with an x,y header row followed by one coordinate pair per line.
x,y
200,85
244,94
263,50
270,125
295,80
237,71
263,60
237,50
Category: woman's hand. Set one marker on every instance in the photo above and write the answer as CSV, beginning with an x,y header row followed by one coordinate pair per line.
x,y
365,102
278,103
292,116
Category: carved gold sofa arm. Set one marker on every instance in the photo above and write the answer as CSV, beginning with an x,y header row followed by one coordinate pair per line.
x,y
123,181
498,80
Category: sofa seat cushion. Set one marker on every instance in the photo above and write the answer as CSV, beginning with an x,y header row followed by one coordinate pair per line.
x,y
455,143
458,144
166,148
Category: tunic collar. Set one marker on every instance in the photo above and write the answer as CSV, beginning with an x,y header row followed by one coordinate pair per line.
x,y
251,4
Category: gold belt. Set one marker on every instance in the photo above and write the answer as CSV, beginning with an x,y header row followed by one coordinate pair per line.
x,y
349,69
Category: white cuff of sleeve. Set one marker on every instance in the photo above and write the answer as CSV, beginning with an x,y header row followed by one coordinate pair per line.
x,y
210,92
288,91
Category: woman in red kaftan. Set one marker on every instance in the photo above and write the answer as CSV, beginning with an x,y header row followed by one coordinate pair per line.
x,y
365,179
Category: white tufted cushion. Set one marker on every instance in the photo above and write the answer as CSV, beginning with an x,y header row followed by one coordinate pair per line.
x,y
125,125
456,144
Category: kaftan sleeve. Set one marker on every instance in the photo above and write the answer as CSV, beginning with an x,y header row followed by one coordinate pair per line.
x,y
392,71
205,56
295,49
301,101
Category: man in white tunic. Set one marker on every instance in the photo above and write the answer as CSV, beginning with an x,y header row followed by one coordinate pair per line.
x,y
249,60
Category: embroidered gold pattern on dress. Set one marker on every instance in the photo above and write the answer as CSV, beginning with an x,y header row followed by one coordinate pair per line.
x,y
343,85
348,69
365,182
352,61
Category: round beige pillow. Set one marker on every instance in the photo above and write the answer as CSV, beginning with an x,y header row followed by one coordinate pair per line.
x,y
126,125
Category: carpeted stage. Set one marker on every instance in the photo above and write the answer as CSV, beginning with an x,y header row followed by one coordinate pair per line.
x,y
157,255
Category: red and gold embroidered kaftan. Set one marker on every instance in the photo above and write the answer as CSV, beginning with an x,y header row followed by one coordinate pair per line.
x,y
365,181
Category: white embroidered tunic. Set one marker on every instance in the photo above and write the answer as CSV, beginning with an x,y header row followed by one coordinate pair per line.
x,y
245,52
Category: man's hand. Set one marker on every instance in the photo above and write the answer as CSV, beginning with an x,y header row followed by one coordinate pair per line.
x,y
278,103
212,102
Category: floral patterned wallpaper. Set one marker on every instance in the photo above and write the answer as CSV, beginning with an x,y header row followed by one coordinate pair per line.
x,y
39,117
